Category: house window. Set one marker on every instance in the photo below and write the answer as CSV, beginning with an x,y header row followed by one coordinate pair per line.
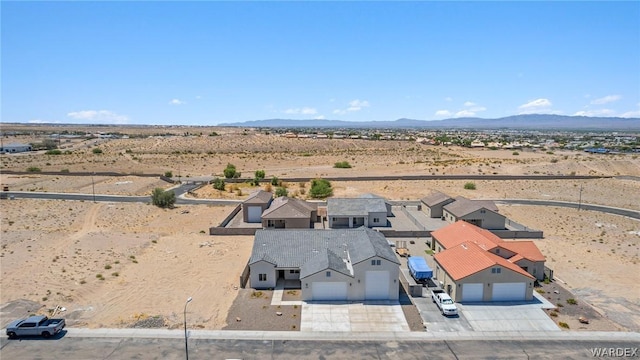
x,y
271,223
482,211
294,271
376,220
328,273
262,277
496,270
376,262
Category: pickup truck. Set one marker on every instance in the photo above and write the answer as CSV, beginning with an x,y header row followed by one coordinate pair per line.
x,y
444,302
35,325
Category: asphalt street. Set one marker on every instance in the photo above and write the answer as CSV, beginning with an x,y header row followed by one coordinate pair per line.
x,y
145,348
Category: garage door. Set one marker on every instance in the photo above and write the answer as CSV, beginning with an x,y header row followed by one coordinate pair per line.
x,y
472,292
377,285
329,291
253,214
509,292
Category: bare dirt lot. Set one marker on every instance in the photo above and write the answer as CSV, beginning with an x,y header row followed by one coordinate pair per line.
x,y
118,265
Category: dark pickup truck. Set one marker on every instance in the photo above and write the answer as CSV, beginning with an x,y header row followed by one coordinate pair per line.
x,y
35,326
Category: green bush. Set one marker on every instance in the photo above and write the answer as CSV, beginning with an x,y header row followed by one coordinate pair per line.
x,y
163,199
168,174
470,186
572,301
259,174
53,152
342,165
97,151
563,325
33,169
275,181
230,172
280,191
218,184
320,189
515,153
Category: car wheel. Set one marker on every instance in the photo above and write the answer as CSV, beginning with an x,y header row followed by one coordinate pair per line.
x,y
46,334
11,335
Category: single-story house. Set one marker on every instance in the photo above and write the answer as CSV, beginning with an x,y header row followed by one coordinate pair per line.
x,y
434,202
374,196
290,213
483,213
15,148
340,264
255,205
350,213
524,254
469,273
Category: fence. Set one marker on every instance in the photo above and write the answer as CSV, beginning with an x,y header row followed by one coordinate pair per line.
x,y
518,234
244,277
415,221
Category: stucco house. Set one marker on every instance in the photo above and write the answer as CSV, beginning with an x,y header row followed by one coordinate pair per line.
x,y
341,264
469,273
387,204
352,213
255,205
524,254
433,203
290,213
483,213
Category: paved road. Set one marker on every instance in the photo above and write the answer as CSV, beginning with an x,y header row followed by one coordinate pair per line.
x,y
146,348
606,209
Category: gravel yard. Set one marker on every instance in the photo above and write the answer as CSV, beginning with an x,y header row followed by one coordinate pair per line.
x,y
252,310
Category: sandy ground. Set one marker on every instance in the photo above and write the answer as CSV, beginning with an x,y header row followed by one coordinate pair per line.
x,y
151,260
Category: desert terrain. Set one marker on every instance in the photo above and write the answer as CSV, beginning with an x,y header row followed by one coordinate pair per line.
x,y
132,264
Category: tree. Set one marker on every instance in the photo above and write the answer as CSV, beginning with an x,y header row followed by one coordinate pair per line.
x,y
275,181
280,191
218,184
320,189
259,174
230,172
163,199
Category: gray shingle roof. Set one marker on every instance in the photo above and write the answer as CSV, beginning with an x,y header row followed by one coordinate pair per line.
x,y
355,207
463,206
288,208
436,198
259,197
293,248
326,260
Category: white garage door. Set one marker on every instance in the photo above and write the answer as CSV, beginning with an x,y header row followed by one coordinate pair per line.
x,y
253,214
509,292
329,291
472,292
376,285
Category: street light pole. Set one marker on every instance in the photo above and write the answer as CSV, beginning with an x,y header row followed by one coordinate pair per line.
x,y
93,186
186,344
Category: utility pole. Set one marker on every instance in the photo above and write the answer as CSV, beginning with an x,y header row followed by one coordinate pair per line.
x,y
580,199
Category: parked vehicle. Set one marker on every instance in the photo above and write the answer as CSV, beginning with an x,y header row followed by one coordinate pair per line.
x,y
35,326
445,303
419,270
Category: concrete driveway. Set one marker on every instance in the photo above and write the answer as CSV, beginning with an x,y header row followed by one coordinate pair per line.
x,y
434,321
353,316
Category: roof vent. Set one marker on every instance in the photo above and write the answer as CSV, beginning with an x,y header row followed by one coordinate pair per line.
x,y
464,246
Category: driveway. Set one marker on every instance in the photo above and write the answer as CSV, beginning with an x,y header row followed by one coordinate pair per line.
x,y
434,321
353,316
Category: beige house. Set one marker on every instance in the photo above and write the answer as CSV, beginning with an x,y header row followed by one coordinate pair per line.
x,y
340,264
469,273
255,205
353,213
289,213
433,203
482,213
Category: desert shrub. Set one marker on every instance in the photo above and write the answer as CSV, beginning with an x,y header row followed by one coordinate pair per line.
x,y
280,191
168,174
553,161
163,199
53,152
342,165
320,189
563,325
572,301
470,186
218,184
275,181
213,133
33,169
259,174
268,188
515,153
96,151
230,172
64,170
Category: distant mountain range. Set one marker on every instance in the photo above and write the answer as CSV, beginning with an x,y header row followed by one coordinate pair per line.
x,y
522,122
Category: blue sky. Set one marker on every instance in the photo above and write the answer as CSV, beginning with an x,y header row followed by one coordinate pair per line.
x,y
205,63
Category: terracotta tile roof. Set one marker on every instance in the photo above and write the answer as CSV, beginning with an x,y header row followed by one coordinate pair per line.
x,y
526,249
436,198
259,197
462,231
468,258
463,206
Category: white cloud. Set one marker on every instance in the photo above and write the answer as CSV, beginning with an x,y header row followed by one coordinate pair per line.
x,y
469,103
198,97
339,112
303,111
478,109
354,105
596,112
537,106
448,98
631,114
605,100
176,102
443,113
320,117
99,116
465,113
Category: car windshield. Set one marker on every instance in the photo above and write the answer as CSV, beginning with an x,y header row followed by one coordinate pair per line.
x,y
447,301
